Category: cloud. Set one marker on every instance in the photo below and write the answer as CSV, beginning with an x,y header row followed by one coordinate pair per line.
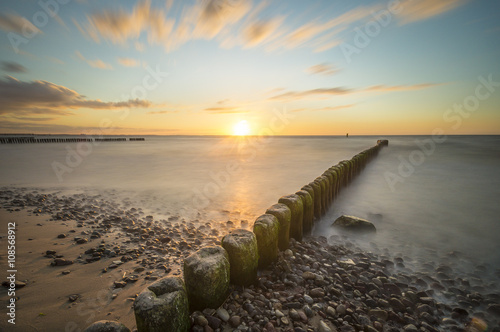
x,y
293,95
413,11
328,108
161,112
322,69
98,63
42,97
13,67
118,26
259,32
338,91
17,24
225,110
129,62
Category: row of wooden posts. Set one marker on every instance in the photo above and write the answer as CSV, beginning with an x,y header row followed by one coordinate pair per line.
x,y
166,304
23,140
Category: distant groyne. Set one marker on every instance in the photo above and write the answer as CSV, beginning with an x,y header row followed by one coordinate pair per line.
x,y
34,139
209,271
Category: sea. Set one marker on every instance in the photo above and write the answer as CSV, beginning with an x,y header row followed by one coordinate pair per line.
x,y
429,197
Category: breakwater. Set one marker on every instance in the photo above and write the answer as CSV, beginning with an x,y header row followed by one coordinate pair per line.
x,y
165,304
34,139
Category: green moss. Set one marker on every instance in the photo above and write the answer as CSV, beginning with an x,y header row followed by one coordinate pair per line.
x,y
317,199
163,306
207,276
266,230
284,216
294,203
241,247
308,215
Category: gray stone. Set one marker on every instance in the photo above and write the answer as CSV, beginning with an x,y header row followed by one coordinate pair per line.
x,y
354,224
106,326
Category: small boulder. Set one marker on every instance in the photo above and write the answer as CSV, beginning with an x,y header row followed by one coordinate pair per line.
x,y
354,224
163,306
106,326
207,276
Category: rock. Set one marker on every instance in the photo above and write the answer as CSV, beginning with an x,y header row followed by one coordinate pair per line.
x,y
354,224
61,262
331,312
73,298
207,275
294,203
120,284
410,328
308,215
223,314
201,320
214,322
317,292
106,326
62,236
163,306
322,327
235,321
378,313
341,309
284,216
241,247
266,230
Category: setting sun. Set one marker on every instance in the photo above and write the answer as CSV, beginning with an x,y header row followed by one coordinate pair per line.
x,y
242,128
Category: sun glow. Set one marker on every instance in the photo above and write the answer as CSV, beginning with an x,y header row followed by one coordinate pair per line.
x,y
242,128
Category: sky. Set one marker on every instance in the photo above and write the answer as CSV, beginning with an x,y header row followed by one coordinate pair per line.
x,y
280,67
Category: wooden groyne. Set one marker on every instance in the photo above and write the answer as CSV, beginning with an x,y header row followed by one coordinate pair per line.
x,y
33,139
209,271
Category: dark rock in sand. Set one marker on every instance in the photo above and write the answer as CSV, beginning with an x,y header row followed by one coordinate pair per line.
x,y
241,246
207,276
107,326
354,224
61,262
163,306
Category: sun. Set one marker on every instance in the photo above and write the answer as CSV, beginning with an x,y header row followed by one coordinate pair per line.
x,y
242,128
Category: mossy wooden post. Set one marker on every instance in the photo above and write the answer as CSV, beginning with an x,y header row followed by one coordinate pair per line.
x,y
163,306
336,183
207,276
284,216
317,199
329,177
294,203
324,200
266,230
241,247
310,190
308,215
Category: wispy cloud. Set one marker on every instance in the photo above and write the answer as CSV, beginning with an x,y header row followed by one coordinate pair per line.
x,y
161,112
328,108
13,67
97,63
42,97
18,24
322,69
129,62
225,110
414,11
323,93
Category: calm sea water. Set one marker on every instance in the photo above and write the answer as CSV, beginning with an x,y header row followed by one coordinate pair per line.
x,y
421,196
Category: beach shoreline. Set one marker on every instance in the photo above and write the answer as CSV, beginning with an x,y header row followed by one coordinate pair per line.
x,y
87,294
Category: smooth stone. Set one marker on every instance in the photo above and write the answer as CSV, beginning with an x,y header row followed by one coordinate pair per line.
x,y
107,326
354,224
223,314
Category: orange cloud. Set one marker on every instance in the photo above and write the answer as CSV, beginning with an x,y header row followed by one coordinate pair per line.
x,y
97,63
129,62
323,69
413,11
